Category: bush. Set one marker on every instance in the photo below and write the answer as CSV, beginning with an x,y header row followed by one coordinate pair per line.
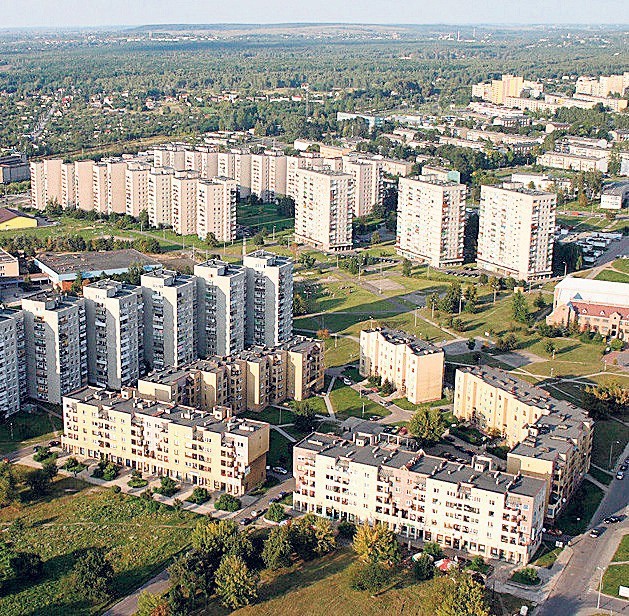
x,y
199,496
227,502
106,471
116,489
478,564
44,454
432,548
134,482
72,465
423,569
370,577
527,576
168,487
616,344
346,529
275,513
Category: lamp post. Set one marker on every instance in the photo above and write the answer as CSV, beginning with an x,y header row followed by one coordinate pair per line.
x,y
600,586
611,447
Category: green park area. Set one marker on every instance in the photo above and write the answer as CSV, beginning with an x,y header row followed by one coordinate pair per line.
x,y
617,574
24,429
139,538
575,518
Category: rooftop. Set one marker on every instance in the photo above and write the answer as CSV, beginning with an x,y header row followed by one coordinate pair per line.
x,y
101,261
396,336
7,213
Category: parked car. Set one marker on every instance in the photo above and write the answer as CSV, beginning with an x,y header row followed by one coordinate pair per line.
x,y
555,532
596,532
612,519
374,417
346,381
37,448
623,467
280,470
620,475
245,521
54,444
282,494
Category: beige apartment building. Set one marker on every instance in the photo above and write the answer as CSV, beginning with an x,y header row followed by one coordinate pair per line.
x,y
184,202
38,184
9,265
414,366
84,184
516,231
324,209
209,449
99,187
13,387
573,162
169,318
550,439
367,475
367,175
159,196
136,188
115,333
68,185
249,380
171,155
116,185
56,345
216,208
268,175
431,220
269,301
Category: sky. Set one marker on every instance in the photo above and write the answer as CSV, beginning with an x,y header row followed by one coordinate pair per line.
x,y
70,13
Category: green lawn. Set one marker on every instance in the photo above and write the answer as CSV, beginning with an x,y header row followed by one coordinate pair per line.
x,y
137,542
24,429
347,402
612,276
577,515
600,476
273,415
403,403
546,556
280,451
622,553
607,433
614,577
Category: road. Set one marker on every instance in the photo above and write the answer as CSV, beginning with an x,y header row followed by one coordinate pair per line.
x,y
576,590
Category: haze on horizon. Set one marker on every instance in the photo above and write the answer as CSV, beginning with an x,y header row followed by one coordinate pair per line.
x,y
95,13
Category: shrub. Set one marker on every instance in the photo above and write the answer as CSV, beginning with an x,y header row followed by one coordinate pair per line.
x,y
423,569
106,471
527,576
44,454
227,502
370,577
346,529
116,489
199,496
168,487
72,465
134,482
478,564
616,344
275,513
433,549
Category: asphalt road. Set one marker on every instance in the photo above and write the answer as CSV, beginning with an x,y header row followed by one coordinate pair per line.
x,y
576,590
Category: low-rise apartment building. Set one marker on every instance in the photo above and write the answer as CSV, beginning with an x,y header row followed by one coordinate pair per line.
x,y
551,439
209,449
367,475
414,366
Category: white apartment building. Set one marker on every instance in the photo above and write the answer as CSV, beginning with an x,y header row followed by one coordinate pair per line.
x,y
46,182
116,185
115,333
367,475
237,165
221,307
84,184
68,185
159,196
56,345
184,202
136,188
169,318
216,208
324,206
12,362
99,187
268,175
573,162
38,184
431,220
269,312
414,366
516,230
170,155
367,175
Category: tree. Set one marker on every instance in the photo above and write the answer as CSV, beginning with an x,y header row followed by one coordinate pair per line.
x,y
211,241
550,348
471,344
77,285
278,548
93,575
370,577
427,425
539,301
312,536
387,388
227,502
375,237
376,544
38,480
150,604
275,513
300,307
506,343
423,568
520,308
494,285
258,239
323,334
236,585
464,597
432,548
450,301
582,199
8,484
407,268
305,416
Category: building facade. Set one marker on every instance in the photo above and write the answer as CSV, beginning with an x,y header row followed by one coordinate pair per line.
x,y
13,388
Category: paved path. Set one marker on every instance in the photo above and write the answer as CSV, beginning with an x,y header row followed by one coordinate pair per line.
x,y
326,398
285,434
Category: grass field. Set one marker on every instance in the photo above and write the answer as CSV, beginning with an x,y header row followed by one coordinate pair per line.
x,y
546,556
600,476
612,276
280,451
613,578
137,542
622,553
272,415
347,402
607,433
577,515
24,429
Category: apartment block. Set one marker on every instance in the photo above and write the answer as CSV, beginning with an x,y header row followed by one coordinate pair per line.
x,y
99,187
184,202
367,176
38,185
221,307
367,475
516,231
573,162
171,155
269,311
159,196
84,184
56,345
414,366
169,318
115,333
46,185
136,188
13,386
68,185
551,439
209,449
116,185
216,208
250,380
431,220
268,175
324,206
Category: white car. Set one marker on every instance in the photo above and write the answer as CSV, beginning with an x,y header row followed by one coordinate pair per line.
x,y
280,470
346,381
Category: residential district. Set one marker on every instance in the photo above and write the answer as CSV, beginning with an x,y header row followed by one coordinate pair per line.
x,y
174,373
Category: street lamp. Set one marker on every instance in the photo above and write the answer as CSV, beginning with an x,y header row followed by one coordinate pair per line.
x,y
611,447
363,410
600,586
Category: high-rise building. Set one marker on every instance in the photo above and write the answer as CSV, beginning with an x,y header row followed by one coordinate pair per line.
x,y
269,312
516,230
56,345
136,188
84,184
221,308
431,220
115,333
415,367
13,388
46,182
169,318
268,175
324,205
68,186
38,184
159,196
171,155
216,208
367,174
184,202
99,187
116,185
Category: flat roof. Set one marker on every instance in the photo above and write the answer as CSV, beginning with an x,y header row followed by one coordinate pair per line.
x,y
87,262
397,336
